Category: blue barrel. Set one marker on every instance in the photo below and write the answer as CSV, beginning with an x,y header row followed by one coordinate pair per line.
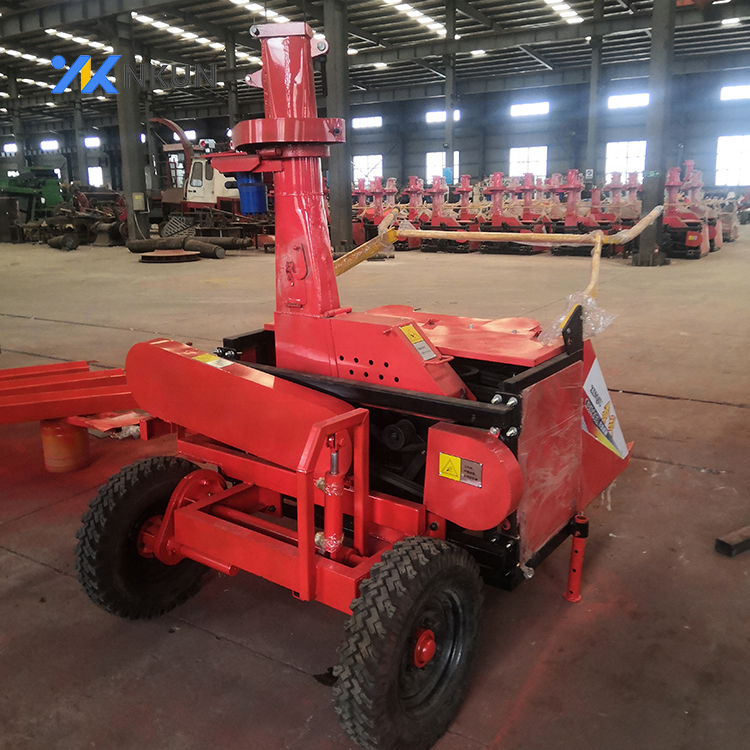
x,y
253,197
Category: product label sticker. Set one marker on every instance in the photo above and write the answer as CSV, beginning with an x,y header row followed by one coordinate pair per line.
x,y
416,340
213,360
599,418
460,469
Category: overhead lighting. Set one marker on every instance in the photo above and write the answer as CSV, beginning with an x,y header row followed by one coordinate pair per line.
x,y
270,13
425,20
478,52
92,141
238,2
404,7
109,49
27,56
435,26
216,45
568,14
380,65
202,40
352,51
721,2
577,19
175,30
64,35
80,40
319,36
281,19
13,53
391,2
254,7
189,35
50,104
102,98
561,6
144,19
51,32
41,84
414,13
159,25
96,45
730,21
10,148
51,145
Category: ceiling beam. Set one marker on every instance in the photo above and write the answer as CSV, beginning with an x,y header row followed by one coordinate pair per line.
x,y
535,56
462,6
558,32
312,11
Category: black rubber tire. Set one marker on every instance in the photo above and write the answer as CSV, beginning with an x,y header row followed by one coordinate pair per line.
x,y
114,575
384,702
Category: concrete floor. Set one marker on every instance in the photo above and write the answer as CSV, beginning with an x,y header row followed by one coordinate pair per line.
x,y
653,657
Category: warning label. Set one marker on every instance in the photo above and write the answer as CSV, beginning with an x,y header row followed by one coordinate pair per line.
x,y
600,419
212,360
424,349
460,469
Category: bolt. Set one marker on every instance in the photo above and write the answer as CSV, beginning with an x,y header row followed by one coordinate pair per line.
x,y
271,508
512,432
497,399
494,430
336,131
434,526
512,401
322,46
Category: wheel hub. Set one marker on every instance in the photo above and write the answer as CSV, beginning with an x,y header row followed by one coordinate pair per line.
x,y
424,648
146,541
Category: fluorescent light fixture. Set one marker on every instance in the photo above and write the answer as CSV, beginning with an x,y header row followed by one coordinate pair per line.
x,y
143,137
202,40
80,40
216,45
189,35
51,32
96,45
144,19
414,13
359,123
478,52
189,134
404,7
41,84
238,2
735,92
574,19
425,20
51,145
50,104
64,35
160,25
254,7
391,2
625,101
92,141
270,13
568,14
352,51
561,6
435,26
101,98
27,56
175,30
43,61
380,65
439,116
318,35
13,53
529,108
10,148
281,19
730,21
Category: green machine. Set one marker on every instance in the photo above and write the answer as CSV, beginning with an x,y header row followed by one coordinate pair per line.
x,y
37,191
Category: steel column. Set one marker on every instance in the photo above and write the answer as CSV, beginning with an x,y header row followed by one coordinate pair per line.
x,y
129,121
153,151
595,86
657,124
231,85
15,113
337,105
450,89
82,174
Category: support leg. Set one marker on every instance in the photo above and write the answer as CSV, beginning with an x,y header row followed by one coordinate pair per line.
x,y
580,534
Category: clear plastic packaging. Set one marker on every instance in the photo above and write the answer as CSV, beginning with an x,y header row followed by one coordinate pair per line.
x,y
595,320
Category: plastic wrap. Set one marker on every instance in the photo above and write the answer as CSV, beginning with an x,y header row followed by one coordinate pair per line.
x,y
595,320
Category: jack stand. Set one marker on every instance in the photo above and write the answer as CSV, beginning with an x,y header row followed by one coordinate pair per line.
x,y
580,534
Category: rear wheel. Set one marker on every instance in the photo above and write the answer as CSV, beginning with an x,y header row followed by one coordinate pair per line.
x,y
112,569
409,647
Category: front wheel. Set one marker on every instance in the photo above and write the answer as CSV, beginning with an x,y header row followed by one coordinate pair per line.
x,y
114,572
409,646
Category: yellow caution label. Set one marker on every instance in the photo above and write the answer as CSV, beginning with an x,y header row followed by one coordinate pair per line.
x,y
411,333
449,467
207,358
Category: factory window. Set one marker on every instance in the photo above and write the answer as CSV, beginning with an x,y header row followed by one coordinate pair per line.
x,y
96,177
209,171
10,148
735,92
625,157
196,176
51,145
58,173
367,166
733,160
528,159
367,122
435,165
440,116
189,134
532,108
13,173
625,101
92,141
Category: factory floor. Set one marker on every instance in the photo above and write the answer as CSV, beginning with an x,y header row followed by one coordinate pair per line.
x,y
654,657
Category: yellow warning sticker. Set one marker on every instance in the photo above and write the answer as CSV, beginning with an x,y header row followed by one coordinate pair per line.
x,y
411,333
449,467
212,360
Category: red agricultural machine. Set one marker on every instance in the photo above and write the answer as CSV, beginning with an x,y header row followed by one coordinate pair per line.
x,y
380,462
